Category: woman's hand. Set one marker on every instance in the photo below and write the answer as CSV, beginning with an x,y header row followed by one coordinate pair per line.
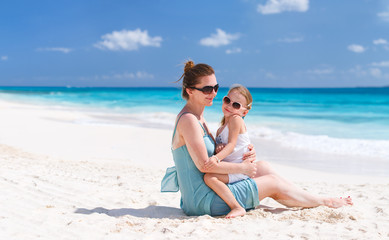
x,y
250,155
211,163
249,168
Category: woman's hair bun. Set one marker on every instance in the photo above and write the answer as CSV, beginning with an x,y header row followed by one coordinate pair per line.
x,y
188,65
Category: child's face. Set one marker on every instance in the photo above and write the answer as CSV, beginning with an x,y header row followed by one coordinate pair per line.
x,y
235,97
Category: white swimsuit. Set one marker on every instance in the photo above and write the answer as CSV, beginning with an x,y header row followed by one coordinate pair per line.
x,y
237,154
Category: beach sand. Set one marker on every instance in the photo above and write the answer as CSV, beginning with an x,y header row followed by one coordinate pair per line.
x,y
62,179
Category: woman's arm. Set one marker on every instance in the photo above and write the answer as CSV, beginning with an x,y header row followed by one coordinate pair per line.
x,y
189,129
246,167
192,133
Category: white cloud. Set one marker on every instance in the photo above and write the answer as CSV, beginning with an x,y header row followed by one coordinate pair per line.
x,y
125,76
270,75
291,40
383,15
321,71
356,48
278,6
119,76
381,64
221,38
144,75
234,50
375,72
128,40
4,58
362,72
380,41
358,71
56,49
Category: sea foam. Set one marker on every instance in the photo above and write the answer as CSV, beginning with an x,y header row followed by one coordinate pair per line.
x,y
323,143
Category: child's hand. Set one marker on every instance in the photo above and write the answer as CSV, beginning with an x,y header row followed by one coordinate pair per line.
x,y
219,147
212,162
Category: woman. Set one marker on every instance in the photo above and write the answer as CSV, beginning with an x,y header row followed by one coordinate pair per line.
x,y
193,146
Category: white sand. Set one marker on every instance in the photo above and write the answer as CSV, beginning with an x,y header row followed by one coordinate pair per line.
x,y
63,180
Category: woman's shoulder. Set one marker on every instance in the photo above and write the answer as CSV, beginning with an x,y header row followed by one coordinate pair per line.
x,y
185,116
186,119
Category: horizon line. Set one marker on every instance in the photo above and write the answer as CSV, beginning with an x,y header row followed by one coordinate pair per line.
x,y
302,87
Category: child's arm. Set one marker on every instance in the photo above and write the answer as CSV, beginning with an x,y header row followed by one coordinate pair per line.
x,y
234,125
219,147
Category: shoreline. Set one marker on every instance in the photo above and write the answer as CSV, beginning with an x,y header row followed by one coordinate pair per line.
x,y
267,148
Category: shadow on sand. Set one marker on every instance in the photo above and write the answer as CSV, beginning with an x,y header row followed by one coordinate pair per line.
x,y
149,212
161,211
276,210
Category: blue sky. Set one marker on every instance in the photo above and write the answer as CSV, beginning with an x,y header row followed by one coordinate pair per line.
x,y
261,43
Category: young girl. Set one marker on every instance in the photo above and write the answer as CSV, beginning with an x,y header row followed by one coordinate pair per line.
x,y
233,135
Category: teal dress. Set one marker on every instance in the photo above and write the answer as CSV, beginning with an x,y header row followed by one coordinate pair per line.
x,y
196,197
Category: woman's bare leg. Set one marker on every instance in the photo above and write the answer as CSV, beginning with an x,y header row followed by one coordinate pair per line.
x,y
264,168
291,196
217,182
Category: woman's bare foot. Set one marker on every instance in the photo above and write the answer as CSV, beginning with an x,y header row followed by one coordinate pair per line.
x,y
236,212
338,202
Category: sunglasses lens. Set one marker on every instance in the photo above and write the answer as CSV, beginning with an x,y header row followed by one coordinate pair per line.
x,y
207,89
236,105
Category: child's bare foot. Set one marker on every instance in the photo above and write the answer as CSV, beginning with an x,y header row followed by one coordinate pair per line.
x,y
236,212
338,202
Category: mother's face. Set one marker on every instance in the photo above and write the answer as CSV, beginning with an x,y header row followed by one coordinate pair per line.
x,y
200,96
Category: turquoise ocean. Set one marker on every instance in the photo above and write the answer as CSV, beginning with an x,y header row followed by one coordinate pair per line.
x,y
332,120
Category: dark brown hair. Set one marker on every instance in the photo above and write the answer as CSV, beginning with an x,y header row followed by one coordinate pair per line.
x,y
192,73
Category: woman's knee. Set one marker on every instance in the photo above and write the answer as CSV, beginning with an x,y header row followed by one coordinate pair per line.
x,y
264,168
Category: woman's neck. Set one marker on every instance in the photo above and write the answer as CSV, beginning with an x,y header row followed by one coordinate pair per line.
x,y
195,108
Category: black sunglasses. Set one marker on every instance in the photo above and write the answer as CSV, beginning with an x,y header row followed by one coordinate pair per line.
x,y
235,105
207,89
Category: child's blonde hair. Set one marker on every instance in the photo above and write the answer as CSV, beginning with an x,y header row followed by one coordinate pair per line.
x,y
245,93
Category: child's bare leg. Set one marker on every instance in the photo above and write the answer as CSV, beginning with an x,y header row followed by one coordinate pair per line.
x,y
217,182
